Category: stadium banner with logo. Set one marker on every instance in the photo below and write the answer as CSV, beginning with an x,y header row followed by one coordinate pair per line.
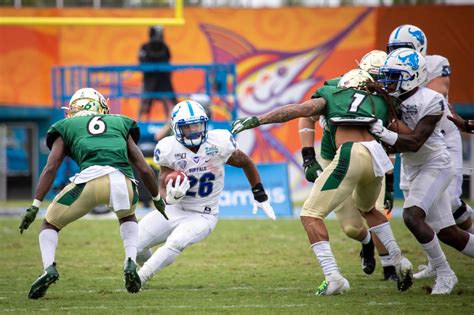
x,y
281,55
236,200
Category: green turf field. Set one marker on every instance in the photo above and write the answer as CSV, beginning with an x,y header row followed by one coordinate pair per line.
x,y
245,266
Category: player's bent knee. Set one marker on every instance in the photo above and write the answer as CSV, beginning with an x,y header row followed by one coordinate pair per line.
x,y
177,245
412,216
352,231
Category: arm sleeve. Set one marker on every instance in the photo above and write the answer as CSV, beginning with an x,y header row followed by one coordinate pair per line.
x,y
135,132
132,129
52,134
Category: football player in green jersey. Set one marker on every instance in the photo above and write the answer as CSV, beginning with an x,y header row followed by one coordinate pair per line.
x,y
356,170
351,222
103,146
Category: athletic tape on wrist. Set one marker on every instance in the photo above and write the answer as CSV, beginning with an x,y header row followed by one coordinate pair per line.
x,y
37,203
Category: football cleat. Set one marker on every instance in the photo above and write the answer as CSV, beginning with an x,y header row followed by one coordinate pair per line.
x,y
389,273
444,284
334,284
367,258
40,286
132,280
425,271
404,271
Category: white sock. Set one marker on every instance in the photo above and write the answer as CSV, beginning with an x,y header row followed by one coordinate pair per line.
x,y
163,257
129,234
48,241
323,252
436,256
385,260
469,249
385,234
367,239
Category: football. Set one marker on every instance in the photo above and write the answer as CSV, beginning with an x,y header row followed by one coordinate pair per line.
x,y
174,175
400,127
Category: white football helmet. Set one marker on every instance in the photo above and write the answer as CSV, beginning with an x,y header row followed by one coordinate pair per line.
x,y
408,36
407,68
354,79
372,61
87,101
189,123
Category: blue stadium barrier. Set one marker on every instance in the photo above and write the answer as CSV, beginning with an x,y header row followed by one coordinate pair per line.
x,y
114,81
236,200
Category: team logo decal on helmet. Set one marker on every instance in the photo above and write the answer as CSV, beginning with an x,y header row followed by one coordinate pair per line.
x,y
408,36
412,60
418,34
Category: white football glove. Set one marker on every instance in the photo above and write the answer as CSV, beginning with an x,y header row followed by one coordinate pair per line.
x,y
382,133
176,192
266,207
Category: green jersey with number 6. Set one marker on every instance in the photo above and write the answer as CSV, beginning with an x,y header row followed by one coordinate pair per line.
x,y
96,140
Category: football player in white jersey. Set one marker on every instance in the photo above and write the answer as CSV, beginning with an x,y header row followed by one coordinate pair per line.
x,y
426,163
439,71
192,203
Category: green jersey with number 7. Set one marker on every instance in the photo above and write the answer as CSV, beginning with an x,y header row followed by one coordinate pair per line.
x,y
352,107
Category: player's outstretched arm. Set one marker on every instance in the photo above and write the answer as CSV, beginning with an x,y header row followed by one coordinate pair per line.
x,y
146,175
45,182
286,113
242,160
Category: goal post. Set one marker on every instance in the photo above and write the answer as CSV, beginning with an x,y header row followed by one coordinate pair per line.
x,y
178,19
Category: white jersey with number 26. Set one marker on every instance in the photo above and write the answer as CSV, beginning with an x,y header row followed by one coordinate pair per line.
x,y
205,169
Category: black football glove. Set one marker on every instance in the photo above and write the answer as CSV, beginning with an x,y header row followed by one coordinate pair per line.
x,y
310,165
388,199
261,201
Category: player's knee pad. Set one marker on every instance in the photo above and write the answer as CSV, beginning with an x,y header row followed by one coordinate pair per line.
x,y
352,230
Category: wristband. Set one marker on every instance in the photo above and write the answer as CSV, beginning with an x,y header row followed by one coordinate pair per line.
x,y
156,198
309,155
259,193
305,130
36,203
389,137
